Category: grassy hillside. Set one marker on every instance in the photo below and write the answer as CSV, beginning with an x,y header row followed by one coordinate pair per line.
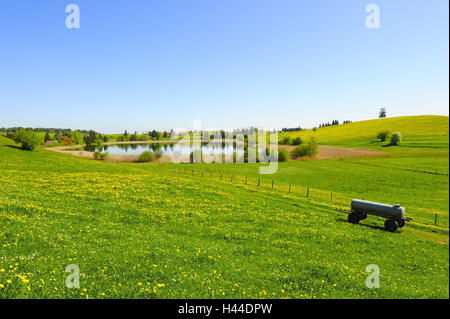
x,y
161,231
421,134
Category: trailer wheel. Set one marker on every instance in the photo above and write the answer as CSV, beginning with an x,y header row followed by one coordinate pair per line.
x,y
362,216
353,218
391,225
401,223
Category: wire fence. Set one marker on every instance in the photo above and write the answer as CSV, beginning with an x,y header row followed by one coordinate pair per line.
x,y
337,201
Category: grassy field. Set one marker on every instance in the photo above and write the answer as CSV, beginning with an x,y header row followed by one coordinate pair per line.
x,y
426,135
183,231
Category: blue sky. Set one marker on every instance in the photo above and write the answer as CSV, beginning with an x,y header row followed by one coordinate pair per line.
x,y
161,64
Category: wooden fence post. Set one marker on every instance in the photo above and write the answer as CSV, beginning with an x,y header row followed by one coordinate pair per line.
x,y
435,219
307,192
272,183
331,196
289,188
246,180
259,181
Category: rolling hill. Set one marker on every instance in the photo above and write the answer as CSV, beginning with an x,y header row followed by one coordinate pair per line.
x,y
209,231
421,134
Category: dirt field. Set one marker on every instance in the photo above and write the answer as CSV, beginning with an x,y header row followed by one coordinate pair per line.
x,y
331,152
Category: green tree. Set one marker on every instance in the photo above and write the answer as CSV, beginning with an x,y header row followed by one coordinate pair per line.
x,y
297,141
146,156
28,139
396,138
76,137
383,135
286,141
283,155
305,150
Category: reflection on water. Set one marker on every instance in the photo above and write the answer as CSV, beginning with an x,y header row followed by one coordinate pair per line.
x,y
168,148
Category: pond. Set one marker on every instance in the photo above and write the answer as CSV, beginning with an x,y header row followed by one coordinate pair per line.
x,y
167,148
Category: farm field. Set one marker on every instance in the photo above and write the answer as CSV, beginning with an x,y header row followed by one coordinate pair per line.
x,y
422,135
200,231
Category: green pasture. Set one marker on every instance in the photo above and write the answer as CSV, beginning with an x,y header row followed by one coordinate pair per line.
x,y
209,231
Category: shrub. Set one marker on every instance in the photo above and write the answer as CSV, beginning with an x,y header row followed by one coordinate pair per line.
x,y
196,156
158,154
286,141
313,147
283,156
67,139
299,151
297,141
396,138
97,154
309,150
76,137
383,135
47,137
147,156
28,139
104,156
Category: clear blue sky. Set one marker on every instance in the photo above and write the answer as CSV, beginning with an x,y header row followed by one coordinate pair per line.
x,y
160,64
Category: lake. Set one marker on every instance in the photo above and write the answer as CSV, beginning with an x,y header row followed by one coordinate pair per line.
x,y
167,148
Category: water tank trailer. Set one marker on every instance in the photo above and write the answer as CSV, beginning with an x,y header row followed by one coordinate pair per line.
x,y
395,214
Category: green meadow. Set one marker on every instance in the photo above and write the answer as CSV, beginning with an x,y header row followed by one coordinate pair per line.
x,y
422,135
150,230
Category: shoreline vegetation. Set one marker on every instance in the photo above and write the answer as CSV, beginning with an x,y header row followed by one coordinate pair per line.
x,y
324,152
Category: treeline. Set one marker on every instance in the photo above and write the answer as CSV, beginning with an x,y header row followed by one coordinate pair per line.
x,y
334,122
58,131
292,129
151,135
